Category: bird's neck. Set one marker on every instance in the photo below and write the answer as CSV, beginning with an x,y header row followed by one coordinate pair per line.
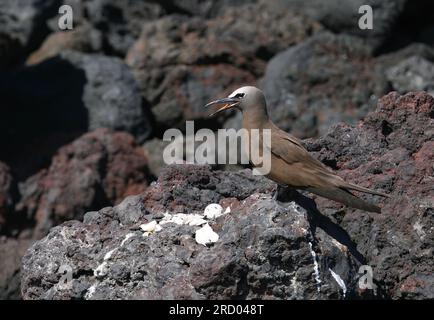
x,y
255,118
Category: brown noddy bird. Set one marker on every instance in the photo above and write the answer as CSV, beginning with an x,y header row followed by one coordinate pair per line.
x,y
291,164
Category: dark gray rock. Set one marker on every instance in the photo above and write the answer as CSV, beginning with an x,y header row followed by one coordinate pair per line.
x,y
321,81
182,63
67,95
331,78
393,151
120,21
111,94
414,73
264,250
343,16
98,169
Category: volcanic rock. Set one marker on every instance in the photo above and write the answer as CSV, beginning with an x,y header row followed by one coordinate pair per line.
x,y
392,151
49,104
98,169
119,21
321,81
264,250
414,73
286,249
343,17
182,63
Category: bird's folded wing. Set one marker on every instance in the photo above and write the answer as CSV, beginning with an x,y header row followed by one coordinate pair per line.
x,y
290,150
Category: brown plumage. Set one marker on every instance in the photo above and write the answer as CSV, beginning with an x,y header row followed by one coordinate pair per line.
x,y
291,164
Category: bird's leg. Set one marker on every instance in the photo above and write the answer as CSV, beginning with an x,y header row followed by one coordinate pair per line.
x,y
284,193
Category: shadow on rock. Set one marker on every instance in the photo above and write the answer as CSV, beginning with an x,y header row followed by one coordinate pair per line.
x,y
317,219
42,110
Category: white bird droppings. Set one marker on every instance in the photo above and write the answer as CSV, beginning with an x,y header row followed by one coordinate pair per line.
x,y
194,220
213,210
339,281
127,237
150,227
182,218
315,268
109,254
206,235
90,291
101,270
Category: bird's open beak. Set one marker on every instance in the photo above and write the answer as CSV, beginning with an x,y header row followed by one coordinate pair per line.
x,y
226,103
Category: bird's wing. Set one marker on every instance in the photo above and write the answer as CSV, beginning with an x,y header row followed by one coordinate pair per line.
x,y
289,149
315,173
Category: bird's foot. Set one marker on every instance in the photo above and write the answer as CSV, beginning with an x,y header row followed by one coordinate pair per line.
x,y
284,194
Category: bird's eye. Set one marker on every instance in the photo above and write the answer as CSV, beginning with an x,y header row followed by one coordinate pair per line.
x,y
239,95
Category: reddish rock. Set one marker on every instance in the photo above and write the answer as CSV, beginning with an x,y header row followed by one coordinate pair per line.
x,y
182,63
98,169
183,188
267,249
392,151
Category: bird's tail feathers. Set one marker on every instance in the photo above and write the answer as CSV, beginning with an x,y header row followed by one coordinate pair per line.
x,y
345,197
355,187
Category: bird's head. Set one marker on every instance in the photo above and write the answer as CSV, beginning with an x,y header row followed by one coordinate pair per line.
x,y
244,99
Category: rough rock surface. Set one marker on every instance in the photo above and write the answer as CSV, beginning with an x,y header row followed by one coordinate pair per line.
x,y
79,91
414,73
331,78
65,96
111,94
181,63
343,16
119,21
266,249
98,169
393,151
321,81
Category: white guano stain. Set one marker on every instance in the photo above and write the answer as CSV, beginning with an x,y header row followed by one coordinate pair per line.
x,y
206,235
339,281
101,270
315,268
213,211
182,218
150,228
90,291
127,237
